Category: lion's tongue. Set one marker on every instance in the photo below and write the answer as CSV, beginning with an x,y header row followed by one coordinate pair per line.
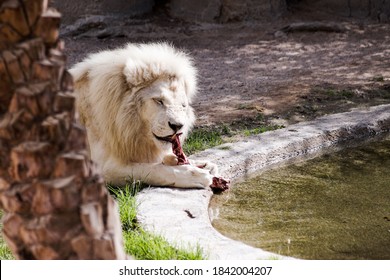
x,y
218,184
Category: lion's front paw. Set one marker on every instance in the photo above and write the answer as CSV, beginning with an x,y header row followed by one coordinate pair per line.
x,y
191,176
212,168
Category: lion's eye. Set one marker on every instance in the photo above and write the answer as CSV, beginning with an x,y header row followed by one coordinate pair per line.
x,y
184,105
159,101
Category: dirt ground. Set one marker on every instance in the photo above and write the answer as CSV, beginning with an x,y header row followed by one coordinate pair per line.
x,y
250,74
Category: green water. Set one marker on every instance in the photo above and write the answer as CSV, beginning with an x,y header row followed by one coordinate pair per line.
x,y
336,206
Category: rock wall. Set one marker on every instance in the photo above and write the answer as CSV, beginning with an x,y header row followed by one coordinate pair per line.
x,y
378,10
225,10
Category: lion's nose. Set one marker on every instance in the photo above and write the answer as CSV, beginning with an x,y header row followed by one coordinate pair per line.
x,y
175,126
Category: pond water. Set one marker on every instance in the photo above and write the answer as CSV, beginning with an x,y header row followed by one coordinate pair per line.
x,y
336,206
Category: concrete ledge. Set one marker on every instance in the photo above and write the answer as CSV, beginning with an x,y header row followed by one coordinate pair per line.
x,y
182,216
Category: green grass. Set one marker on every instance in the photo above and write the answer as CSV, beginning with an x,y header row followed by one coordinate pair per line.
x,y
127,204
146,246
204,138
5,252
201,139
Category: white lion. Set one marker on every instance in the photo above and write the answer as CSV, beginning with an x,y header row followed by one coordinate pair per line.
x,y
131,101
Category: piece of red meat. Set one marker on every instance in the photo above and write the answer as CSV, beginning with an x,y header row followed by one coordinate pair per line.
x,y
219,184
178,150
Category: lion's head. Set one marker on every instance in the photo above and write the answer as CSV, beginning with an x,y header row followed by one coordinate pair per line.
x,y
133,100
165,110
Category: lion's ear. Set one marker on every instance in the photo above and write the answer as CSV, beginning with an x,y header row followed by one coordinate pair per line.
x,y
190,81
79,73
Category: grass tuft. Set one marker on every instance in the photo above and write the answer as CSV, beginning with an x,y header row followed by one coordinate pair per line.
x,y
146,246
125,198
201,139
204,138
5,252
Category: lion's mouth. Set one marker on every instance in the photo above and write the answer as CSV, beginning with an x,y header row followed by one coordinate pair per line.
x,y
169,138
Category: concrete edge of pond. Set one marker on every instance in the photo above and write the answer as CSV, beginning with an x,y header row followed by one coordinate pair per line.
x,y
182,216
